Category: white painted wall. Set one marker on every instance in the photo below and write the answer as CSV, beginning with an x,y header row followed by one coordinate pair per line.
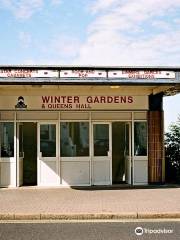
x,y
75,173
7,174
140,172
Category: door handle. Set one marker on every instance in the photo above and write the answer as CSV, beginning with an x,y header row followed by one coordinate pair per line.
x,y
109,154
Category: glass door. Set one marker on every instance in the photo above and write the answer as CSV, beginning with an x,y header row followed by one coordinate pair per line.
x,y
102,154
20,154
48,173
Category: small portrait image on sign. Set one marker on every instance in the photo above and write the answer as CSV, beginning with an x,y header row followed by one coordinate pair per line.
x,y
20,104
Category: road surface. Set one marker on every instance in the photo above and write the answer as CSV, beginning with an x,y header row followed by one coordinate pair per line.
x,y
91,230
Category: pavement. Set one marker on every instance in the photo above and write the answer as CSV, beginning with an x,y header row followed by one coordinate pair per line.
x,y
35,203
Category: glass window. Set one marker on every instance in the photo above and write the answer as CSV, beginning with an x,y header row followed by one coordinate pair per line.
x,y
20,140
101,139
48,140
74,139
140,139
7,139
127,139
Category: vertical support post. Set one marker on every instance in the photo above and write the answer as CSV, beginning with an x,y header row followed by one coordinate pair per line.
x,y
110,149
91,149
156,173
132,153
15,147
38,154
59,147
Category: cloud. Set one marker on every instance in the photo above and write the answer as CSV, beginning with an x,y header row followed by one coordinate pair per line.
x,y
100,5
65,46
22,9
56,2
126,15
62,47
134,32
122,32
25,9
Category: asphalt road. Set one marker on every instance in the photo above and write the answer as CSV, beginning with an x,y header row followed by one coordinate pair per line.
x,y
90,230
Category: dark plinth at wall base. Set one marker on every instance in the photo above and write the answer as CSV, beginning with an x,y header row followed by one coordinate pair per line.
x,y
156,183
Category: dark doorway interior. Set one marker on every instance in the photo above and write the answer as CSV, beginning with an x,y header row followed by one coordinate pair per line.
x,y
30,153
118,152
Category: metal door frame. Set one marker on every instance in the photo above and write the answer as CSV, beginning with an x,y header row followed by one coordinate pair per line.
x,y
48,122
101,157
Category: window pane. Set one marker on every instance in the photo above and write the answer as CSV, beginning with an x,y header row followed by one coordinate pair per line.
x,y
140,139
20,140
74,139
101,139
127,140
48,140
7,139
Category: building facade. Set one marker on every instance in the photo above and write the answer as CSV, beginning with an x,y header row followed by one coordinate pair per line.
x,y
83,126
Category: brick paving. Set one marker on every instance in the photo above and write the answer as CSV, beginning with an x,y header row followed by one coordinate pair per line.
x,y
28,200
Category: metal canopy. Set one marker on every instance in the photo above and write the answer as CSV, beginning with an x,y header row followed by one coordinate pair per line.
x,y
61,67
91,81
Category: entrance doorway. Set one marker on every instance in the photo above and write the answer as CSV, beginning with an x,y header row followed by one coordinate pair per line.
x,y
27,154
101,153
121,164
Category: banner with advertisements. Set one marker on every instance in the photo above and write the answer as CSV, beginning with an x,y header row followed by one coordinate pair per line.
x,y
86,73
141,74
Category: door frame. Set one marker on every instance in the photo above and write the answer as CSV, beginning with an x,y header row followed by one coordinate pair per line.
x,y
18,122
130,152
19,158
129,123
48,159
101,158
10,160
79,159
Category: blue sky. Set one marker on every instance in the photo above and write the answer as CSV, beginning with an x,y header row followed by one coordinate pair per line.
x,y
98,32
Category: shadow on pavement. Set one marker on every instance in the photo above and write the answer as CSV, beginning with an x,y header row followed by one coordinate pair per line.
x,y
125,187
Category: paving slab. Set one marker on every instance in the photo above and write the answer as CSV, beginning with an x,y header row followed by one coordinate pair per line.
x,y
89,203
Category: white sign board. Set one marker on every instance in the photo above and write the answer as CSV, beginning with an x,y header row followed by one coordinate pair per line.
x,y
82,73
28,73
86,73
72,102
139,74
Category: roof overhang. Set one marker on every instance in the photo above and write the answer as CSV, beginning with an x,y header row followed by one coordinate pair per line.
x,y
164,83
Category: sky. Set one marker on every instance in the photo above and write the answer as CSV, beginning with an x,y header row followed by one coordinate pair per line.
x,y
93,32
